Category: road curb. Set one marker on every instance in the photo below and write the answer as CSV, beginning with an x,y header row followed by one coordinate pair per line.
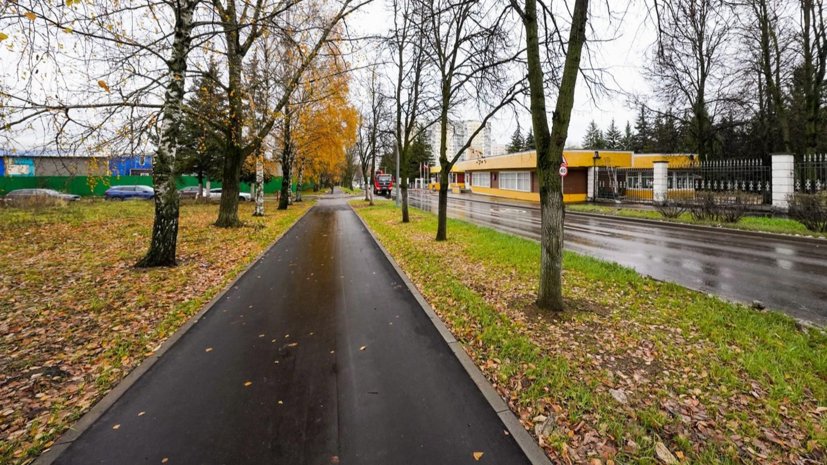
x,y
701,227
530,448
89,418
695,227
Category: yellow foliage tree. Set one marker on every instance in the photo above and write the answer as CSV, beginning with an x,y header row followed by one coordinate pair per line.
x,y
326,122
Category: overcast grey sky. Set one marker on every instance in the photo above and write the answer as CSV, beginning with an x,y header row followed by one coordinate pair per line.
x,y
622,57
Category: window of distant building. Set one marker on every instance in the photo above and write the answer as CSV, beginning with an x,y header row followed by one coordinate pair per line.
x,y
516,181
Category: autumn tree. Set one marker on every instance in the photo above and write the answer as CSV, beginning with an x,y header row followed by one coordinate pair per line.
x,y
304,29
326,122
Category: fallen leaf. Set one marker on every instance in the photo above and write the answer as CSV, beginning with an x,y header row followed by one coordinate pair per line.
x,y
141,414
116,426
247,383
165,460
477,456
209,349
664,455
293,344
363,347
281,403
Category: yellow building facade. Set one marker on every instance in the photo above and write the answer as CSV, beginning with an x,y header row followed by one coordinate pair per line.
x,y
515,175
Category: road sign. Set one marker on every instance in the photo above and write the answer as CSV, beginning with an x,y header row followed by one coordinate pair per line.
x,y
564,171
565,162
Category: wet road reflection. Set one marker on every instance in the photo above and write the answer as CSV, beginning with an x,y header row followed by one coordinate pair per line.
x,y
784,274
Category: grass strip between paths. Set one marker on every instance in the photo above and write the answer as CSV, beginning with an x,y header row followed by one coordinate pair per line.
x,y
635,371
76,317
747,223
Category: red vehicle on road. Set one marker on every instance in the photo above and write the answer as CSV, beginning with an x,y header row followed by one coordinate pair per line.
x,y
382,183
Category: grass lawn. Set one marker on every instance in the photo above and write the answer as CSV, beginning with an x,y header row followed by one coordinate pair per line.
x,y
75,317
748,223
348,190
635,370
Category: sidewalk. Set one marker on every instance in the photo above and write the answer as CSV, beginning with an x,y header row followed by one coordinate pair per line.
x,y
319,354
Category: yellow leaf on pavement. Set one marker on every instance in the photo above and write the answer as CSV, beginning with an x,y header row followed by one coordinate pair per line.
x,y
247,383
363,347
116,426
477,455
209,349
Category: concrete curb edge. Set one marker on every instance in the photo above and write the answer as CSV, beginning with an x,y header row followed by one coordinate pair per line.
x,y
530,448
675,224
701,227
89,418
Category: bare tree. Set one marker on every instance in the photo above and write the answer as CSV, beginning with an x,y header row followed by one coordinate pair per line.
x,y
129,66
410,99
470,48
814,54
688,68
550,143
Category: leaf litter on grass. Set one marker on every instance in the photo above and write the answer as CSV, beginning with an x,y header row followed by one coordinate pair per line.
x,y
76,316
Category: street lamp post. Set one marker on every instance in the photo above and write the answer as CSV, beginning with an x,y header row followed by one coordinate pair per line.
x,y
594,174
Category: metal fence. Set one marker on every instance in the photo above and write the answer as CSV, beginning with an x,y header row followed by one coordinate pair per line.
x,y
745,181
811,174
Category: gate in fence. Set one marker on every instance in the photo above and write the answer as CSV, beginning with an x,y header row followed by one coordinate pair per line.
x,y
811,174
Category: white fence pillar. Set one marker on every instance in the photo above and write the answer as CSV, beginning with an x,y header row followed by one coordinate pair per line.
x,y
591,183
660,182
783,180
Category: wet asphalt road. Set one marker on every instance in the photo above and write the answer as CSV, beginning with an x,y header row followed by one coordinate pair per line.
x,y
293,327
785,274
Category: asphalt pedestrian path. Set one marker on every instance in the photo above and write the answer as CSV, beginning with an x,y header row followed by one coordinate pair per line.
x,y
319,354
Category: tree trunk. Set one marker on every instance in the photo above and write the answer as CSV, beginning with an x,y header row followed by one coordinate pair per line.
x,y
550,146
259,187
365,184
299,180
286,161
442,217
165,226
234,155
228,210
200,186
404,190
207,189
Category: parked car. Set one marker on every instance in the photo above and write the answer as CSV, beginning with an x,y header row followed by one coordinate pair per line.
x,y
26,194
190,192
129,192
215,194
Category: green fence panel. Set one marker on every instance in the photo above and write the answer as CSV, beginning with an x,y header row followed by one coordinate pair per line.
x,y
97,185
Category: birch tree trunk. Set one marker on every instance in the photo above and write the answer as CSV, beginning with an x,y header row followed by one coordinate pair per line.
x,y
299,180
165,226
259,187
550,146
